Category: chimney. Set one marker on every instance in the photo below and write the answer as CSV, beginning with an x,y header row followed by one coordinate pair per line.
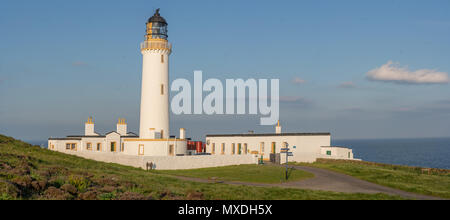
x,y
89,127
182,133
122,127
278,128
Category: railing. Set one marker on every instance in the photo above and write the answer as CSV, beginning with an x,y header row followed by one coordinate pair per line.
x,y
156,45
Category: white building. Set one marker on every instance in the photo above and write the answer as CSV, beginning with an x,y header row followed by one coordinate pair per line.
x,y
305,147
118,142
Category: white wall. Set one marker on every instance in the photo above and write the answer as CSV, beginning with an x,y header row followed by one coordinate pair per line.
x,y
166,162
155,147
307,146
337,153
200,161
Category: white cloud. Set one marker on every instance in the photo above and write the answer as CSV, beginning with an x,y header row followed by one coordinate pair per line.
x,y
298,80
392,72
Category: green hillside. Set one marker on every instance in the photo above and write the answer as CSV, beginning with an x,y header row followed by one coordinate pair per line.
x,y
426,181
30,172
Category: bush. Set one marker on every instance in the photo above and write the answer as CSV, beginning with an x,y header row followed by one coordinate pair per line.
x,y
80,182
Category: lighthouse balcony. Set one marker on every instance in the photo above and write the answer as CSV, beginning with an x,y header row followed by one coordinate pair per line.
x,y
156,45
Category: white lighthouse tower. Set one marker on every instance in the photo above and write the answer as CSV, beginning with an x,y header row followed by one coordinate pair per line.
x,y
154,115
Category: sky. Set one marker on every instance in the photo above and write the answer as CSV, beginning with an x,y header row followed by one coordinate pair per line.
x,y
357,69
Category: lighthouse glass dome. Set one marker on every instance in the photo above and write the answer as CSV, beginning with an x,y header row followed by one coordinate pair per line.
x,y
156,27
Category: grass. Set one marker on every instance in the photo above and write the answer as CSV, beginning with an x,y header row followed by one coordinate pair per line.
x,y
243,173
410,179
30,172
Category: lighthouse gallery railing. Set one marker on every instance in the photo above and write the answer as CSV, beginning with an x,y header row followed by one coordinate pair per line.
x,y
156,45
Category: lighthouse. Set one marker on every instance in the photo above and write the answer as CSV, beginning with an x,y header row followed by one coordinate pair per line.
x,y
154,112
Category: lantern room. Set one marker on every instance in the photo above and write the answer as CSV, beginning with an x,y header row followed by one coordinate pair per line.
x,y
156,27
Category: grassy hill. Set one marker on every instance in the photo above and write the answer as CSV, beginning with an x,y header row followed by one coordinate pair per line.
x,y
30,172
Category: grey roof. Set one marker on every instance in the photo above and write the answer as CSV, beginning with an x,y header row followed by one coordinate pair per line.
x,y
130,136
66,138
79,137
270,134
86,136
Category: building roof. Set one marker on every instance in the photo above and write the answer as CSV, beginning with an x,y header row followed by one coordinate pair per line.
x,y
79,137
157,18
334,147
66,138
86,136
270,134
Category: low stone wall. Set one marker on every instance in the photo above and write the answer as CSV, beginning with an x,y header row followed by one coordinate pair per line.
x,y
168,162
199,161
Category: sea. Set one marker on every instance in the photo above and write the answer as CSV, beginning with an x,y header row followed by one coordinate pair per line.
x,y
421,152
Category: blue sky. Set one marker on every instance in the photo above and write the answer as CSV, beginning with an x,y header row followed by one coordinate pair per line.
x,y
63,61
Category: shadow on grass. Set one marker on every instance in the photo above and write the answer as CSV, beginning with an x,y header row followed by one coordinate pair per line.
x,y
289,173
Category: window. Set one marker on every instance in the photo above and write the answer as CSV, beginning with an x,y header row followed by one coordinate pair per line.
x,y
239,148
233,148
348,154
73,146
328,152
162,89
223,148
245,149
113,146
123,147
213,150
261,148
88,146
162,58
171,150
141,149
99,146
274,148
67,146
162,134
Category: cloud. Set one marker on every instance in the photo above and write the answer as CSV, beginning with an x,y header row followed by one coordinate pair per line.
x,y
291,98
298,80
296,100
392,72
347,85
354,109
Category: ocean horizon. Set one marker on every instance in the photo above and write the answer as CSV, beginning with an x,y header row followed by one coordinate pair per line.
x,y
421,152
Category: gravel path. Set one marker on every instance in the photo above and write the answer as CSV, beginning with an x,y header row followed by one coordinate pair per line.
x,y
326,180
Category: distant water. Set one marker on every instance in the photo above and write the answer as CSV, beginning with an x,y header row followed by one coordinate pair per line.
x,y
39,143
426,152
